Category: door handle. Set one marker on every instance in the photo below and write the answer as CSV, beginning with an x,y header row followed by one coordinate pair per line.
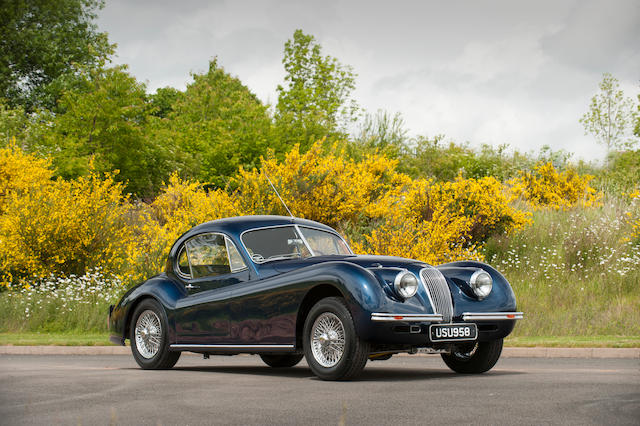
x,y
191,286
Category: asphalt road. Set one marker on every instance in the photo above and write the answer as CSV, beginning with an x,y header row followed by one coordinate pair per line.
x,y
241,390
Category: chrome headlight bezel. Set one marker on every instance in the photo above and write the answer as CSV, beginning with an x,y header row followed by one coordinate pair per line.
x,y
481,283
405,285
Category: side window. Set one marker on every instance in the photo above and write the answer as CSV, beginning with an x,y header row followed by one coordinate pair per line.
x,y
235,260
208,255
183,263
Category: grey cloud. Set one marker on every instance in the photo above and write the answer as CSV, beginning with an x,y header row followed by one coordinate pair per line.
x,y
491,71
599,34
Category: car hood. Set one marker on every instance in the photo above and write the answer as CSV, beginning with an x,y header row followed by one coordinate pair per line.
x,y
282,266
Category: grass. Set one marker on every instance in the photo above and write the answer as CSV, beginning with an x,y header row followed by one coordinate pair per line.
x,y
74,305
574,341
575,273
54,339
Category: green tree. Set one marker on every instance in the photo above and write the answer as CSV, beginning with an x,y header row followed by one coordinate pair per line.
x,y
163,100
221,124
443,161
382,132
316,99
610,116
40,41
106,125
26,130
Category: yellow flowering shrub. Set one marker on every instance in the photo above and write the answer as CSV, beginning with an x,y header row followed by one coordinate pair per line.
x,y
546,187
181,205
21,172
633,216
322,186
65,227
441,239
442,221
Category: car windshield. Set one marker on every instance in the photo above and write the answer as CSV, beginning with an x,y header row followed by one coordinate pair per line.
x,y
289,242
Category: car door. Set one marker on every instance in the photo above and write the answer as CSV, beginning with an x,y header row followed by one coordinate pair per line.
x,y
209,265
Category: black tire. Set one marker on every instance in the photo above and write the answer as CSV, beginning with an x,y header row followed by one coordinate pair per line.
x,y
474,359
281,361
162,358
355,351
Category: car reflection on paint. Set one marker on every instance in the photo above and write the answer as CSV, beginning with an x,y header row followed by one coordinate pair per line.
x,y
287,288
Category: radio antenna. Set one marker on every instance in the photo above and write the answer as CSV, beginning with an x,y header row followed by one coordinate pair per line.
x,y
278,194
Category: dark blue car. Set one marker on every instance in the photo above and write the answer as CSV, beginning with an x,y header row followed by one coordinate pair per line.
x,y
287,288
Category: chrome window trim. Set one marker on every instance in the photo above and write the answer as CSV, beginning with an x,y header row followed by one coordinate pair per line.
x,y
295,226
491,316
176,266
386,317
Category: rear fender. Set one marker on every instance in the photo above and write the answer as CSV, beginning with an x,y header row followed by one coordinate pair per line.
x,y
160,288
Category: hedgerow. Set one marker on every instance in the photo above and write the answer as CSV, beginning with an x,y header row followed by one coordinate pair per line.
x,y
55,234
69,227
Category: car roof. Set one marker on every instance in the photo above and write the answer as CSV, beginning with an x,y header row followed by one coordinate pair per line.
x,y
239,224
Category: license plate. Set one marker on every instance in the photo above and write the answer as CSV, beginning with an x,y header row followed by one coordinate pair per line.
x,y
453,332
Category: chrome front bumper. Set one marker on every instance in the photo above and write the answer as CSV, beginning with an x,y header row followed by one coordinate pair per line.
x,y
466,316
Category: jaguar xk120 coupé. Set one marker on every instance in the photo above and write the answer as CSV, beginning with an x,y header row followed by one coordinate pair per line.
x,y
287,288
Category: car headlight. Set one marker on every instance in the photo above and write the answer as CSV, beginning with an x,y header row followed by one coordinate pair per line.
x,y
481,283
405,284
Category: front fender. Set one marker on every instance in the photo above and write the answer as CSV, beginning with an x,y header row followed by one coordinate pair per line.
x,y
501,298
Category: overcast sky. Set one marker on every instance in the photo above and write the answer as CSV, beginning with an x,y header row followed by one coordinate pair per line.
x,y
495,72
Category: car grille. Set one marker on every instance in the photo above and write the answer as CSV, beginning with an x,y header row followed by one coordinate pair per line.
x,y
439,292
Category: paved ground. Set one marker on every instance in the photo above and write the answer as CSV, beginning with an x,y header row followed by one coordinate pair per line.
x,y
507,352
241,390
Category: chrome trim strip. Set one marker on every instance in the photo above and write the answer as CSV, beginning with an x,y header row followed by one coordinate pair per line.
x,y
242,347
488,316
228,241
376,316
304,240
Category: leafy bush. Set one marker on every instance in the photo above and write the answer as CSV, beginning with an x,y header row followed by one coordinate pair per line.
x,y
65,227
443,161
438,222
21,173
621,175
318,185
633,216
181,205
546,187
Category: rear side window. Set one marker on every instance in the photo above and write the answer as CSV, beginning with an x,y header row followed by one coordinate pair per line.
x,y
208,255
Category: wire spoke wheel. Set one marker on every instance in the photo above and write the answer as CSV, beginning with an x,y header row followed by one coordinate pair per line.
x,y
148,334
327,339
